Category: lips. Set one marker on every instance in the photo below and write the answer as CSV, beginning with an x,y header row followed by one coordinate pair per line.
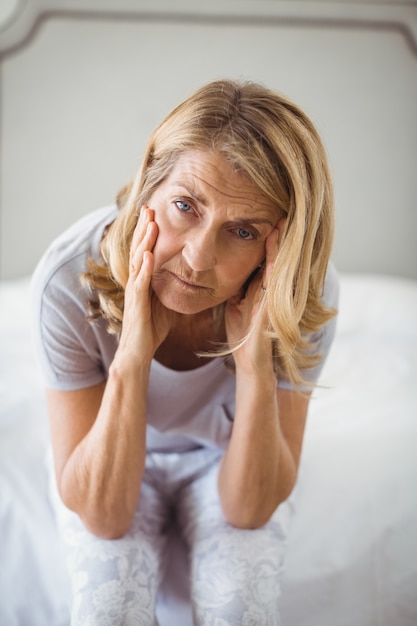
x,y
186,282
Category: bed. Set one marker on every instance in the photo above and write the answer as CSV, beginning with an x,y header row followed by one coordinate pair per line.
x,y
352,551
353,546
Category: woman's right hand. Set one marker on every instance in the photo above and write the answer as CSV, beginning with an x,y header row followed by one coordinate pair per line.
x,y
146,322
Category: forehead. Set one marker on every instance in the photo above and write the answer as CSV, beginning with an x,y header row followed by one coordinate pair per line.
x,y
208,175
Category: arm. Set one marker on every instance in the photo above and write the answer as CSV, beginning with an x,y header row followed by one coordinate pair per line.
x,y
99,433
98,437
259,468
260,465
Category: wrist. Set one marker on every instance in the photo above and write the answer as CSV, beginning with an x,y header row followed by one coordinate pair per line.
x,y
127,364
258,365
260,377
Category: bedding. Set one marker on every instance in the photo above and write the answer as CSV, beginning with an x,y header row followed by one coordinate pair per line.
x,y
352,552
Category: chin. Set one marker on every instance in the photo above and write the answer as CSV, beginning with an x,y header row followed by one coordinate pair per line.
x,y
181,298
184,305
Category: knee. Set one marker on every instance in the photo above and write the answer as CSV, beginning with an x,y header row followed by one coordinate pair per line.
x,y
113,582
236,577
112,603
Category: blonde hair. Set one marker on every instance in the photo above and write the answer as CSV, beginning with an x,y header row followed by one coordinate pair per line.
x,y
267,137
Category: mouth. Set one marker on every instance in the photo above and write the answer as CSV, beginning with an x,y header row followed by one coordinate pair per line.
x,y
183,282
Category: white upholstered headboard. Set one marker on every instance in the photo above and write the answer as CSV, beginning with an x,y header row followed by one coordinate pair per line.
x,y
83,82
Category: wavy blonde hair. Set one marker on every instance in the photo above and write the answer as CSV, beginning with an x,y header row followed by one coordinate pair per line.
x,y
267,137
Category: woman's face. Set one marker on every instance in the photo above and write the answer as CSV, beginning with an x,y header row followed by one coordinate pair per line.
x,y
213,223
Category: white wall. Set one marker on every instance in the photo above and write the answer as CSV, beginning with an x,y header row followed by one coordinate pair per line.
x,y
81,92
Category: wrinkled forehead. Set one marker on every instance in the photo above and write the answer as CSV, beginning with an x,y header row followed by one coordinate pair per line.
x,y
205,173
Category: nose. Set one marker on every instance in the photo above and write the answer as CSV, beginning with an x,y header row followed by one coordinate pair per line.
x,y
199,250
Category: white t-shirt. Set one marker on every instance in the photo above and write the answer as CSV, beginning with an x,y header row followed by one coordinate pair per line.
x,y
185,409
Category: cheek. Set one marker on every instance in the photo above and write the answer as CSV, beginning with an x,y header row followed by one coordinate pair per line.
x,y
237,271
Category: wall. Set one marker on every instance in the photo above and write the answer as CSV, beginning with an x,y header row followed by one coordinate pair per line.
x,y
83,84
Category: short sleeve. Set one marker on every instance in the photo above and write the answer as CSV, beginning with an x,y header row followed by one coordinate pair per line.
x,y
66,342
73,352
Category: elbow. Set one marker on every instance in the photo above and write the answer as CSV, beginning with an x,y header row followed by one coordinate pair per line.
x,y
105,525
255,515
105,529
250,519
245,517
110,523
246,523
101,514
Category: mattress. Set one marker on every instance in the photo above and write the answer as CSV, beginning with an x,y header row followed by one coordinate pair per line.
x,y
352,551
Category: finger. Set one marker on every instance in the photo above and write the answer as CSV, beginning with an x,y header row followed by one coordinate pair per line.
x,y
145,274
146,244
146,216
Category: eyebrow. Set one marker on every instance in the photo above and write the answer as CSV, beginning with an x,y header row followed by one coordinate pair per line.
x,y
239,220
194,196
255,220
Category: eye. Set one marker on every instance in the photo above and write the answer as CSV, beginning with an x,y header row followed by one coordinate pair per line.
x,y
244,233
184,207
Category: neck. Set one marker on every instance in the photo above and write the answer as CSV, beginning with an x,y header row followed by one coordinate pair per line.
x,y
189,335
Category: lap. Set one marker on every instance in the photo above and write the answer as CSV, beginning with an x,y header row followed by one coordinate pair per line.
x,y
200,514
235,574
116,581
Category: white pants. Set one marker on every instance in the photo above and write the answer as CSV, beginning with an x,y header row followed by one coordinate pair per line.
x,y
235,574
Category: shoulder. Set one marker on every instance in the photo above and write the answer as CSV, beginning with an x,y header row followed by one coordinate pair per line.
x,y
65,259
70,349
81,239
59,300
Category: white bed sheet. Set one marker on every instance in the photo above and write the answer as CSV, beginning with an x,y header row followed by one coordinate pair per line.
x,y
352,553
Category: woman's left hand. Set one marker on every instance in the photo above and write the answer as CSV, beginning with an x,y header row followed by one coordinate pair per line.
x,y
259,467
246,313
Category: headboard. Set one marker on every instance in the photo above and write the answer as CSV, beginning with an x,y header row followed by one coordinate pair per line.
x,y
83,83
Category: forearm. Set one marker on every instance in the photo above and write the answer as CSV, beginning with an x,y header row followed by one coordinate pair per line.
x,y
257,471
101,479
100,452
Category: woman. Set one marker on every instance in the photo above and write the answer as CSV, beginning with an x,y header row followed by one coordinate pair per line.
x,y
181,334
